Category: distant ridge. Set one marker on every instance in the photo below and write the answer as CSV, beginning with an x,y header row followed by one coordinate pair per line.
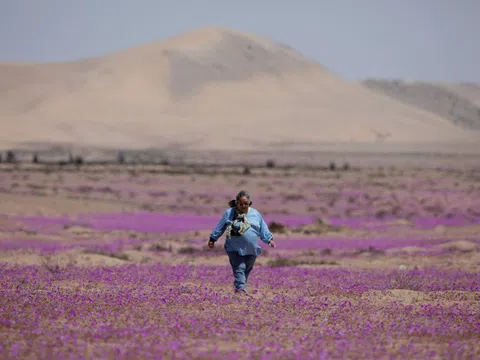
x,y
459,103
209,89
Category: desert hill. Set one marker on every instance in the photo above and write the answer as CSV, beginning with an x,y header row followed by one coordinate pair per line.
x,y
210,88
459,103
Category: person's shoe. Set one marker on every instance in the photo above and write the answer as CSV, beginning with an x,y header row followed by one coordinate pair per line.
x,y
242,292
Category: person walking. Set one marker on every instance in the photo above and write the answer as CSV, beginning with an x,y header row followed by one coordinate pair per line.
x,y
243,226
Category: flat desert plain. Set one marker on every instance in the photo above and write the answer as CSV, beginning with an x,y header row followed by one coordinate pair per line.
x,y
110,262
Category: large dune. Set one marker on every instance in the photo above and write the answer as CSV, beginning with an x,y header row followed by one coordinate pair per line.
x,y
211,88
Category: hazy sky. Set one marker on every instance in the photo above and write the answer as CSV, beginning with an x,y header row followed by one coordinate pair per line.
x,y
410,39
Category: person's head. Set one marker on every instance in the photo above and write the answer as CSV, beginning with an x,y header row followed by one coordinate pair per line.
x,y
242,201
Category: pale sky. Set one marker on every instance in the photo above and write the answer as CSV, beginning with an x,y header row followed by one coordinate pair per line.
x,y
435,40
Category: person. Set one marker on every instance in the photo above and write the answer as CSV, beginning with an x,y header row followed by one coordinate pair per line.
x,y
243,226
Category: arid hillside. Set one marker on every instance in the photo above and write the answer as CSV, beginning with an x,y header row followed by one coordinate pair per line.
x,y
209,89
459,103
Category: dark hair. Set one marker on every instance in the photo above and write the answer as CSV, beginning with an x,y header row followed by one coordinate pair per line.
x,y
242,193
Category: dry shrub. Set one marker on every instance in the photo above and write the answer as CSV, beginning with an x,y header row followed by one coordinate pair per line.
x,y
51,263
326,251
157,193
188,250
370,250
381,214
296,262
270,163
474,211
319,226
157,247
205,250
113,254
85,189
277,228
404,280
106,189
434,209
294,197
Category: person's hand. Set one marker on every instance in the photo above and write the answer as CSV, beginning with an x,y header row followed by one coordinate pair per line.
x,y
211,244
271,243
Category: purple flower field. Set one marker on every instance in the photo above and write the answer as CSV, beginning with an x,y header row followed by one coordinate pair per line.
x,y
164,224
189,312
375,264
346,244
145,221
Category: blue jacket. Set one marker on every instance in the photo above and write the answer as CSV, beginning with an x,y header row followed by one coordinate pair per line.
x,y
246,244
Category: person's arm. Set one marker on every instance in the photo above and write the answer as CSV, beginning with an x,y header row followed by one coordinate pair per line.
x,y
265,235
220,228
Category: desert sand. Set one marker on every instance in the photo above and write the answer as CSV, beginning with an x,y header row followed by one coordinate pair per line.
x,y
211,89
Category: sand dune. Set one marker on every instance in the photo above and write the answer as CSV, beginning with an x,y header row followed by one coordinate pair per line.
x,y
459,103
210,88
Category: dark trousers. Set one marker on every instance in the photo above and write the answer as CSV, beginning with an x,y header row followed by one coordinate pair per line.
x,y
241,267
